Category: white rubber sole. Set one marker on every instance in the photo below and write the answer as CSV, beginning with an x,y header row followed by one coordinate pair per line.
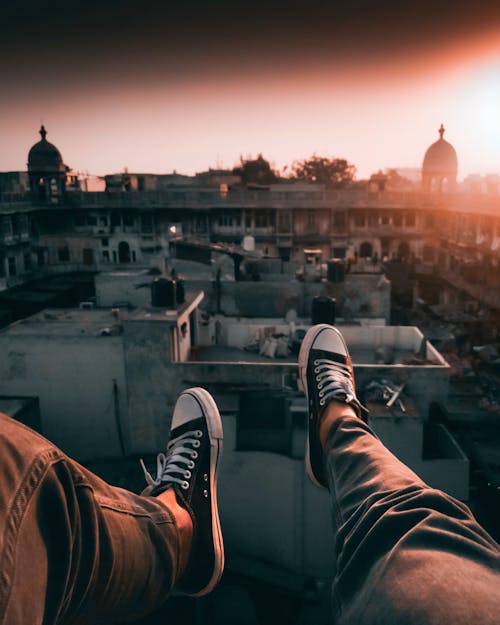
x,y
305,348
215,433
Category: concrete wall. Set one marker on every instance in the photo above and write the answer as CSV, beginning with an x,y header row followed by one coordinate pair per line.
x,y
150,394
123,286
361,295
74,380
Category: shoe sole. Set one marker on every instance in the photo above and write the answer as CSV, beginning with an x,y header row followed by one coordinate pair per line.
x,y
305,348
214,427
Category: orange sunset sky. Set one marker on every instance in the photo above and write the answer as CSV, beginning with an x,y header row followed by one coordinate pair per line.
x,y
156,87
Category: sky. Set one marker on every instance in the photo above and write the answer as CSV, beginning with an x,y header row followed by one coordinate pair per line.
x,y
163,86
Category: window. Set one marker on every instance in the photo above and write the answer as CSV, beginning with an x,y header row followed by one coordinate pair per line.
x,y
115,219
105,242
11,262
429,221
128,220
16,227
105,256
24,225
7,227
248,220
88,256
91,220
27,261
410,220
311,219
261,220
103,220
63,254
40,258
339,220
398,221
147,223
284,221
225,220
385,220
359,220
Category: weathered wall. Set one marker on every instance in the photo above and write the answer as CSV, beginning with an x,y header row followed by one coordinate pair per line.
x,y
360,295
114,287
151,382
73,378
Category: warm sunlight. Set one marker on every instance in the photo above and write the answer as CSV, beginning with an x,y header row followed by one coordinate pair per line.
x,y
480,106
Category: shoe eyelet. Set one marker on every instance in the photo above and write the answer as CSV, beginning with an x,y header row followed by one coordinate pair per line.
x,y
196,443
316,362
184,485
190,464
187,474
316,370
205,493
194,455
322,401
198,433
321,393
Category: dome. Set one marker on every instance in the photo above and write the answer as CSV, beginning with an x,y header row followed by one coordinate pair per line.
x,y
45,157
440,158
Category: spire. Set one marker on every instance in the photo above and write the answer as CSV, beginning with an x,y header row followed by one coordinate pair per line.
x,y
43,132
441,131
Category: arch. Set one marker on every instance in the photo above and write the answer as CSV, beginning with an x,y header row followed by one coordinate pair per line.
x,y
366,250
123,252
403,251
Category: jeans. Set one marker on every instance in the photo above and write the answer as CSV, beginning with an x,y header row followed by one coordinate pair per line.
x,y
74,549
407,554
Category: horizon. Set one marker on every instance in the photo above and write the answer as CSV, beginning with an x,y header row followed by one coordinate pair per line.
x,y
155,89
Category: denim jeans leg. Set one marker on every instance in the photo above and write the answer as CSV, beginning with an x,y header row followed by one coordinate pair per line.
x,y
72,547
407,554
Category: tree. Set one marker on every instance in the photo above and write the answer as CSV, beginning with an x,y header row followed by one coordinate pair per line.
x,y
332,172
255,171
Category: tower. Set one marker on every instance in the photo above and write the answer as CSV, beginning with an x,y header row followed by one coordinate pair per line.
x,y
439,169
46,171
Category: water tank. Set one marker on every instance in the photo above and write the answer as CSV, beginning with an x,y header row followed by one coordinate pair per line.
x,y
180,291
323,310
335,270
163,293
248,244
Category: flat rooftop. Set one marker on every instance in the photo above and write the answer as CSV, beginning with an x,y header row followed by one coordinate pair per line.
x,y
95,321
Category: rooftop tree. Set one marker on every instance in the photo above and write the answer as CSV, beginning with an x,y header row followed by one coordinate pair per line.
x,y
332,172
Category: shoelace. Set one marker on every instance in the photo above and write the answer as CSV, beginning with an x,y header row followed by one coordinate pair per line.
x,y
176,465
334,381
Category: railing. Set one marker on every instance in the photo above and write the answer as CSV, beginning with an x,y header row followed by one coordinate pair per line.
x,y
207,198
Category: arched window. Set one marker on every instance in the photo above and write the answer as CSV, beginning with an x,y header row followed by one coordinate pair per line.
x,y
123,252
403,251
366,250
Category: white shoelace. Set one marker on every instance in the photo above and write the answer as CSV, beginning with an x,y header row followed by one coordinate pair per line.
x,y
334,381
175,466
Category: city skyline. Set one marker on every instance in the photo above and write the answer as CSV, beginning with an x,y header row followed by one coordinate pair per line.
x,y
157,89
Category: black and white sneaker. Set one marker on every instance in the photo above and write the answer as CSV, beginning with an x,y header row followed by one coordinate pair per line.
x,y
190,467
327,375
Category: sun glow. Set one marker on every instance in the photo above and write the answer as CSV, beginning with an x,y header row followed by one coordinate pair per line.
x,y
479,101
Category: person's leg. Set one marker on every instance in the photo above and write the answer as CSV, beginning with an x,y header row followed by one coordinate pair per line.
x,y
406,553
75,549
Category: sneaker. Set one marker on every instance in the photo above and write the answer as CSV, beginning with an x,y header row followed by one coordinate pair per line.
x,y
190,468
327,375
